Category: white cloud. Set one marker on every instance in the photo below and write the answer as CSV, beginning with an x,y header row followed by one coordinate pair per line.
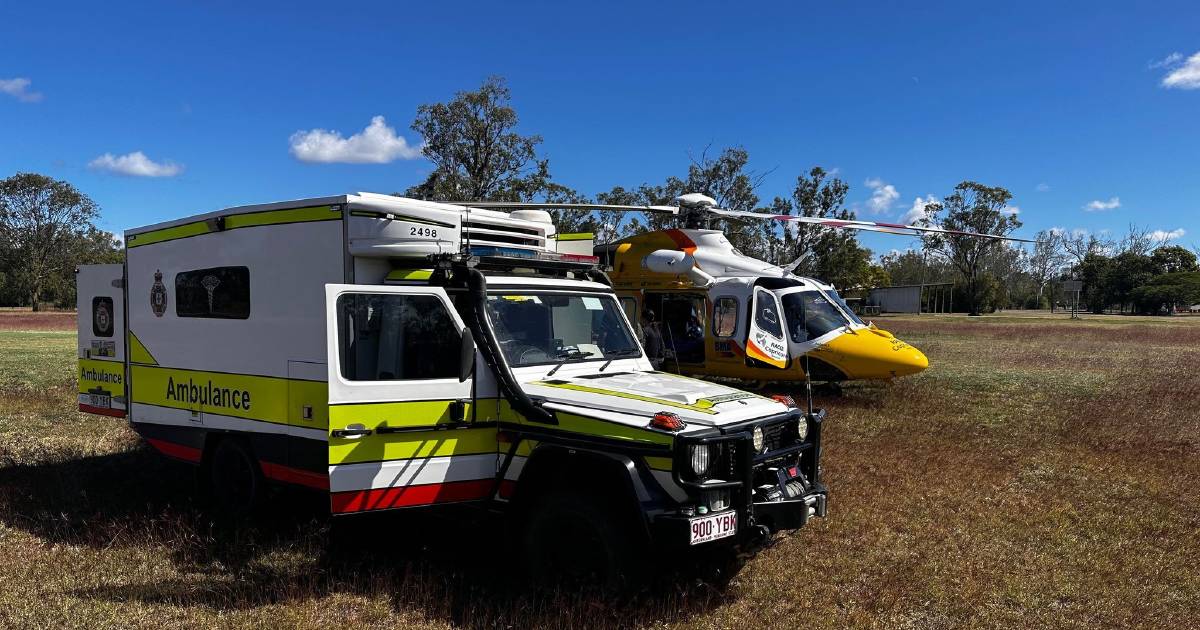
x,y
1185,74
1097,205
1043,187
377,144
1013,210
883,195
18,88
1170,60
134,164
1163,235
917,211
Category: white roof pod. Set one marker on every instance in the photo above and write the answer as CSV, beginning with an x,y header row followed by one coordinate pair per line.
x,y
413,228
419,228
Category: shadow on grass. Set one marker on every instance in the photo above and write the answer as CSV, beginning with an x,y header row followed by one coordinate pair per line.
x,y
452,565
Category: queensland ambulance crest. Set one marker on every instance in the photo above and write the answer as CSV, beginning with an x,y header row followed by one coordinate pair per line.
x,y
102,317
158,295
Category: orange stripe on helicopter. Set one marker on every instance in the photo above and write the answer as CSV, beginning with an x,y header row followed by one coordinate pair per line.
x,y
754,352
682,241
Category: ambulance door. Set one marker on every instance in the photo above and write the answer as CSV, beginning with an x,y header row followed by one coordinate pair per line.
x,y
100,304
402,425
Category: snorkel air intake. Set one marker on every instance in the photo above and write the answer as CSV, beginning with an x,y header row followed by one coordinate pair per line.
x,y
481,327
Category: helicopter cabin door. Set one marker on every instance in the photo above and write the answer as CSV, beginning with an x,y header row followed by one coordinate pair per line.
x,y
765,343
682,323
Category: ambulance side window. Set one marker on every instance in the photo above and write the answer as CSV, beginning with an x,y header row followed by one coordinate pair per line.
x,y
217,292
396,337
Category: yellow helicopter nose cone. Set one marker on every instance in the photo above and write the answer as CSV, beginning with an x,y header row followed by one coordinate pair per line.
x,y
910,361
872,354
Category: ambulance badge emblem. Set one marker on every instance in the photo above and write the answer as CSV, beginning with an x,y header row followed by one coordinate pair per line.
x,y
102,320
158,295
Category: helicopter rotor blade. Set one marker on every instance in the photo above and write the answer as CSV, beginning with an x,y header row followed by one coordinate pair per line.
x,y
870,226
520,205
848,224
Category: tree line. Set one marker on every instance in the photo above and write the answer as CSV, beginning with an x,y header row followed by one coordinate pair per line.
x,y
1137,273
47,228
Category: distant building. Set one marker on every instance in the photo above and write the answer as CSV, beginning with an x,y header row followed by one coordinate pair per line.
x,y
913,298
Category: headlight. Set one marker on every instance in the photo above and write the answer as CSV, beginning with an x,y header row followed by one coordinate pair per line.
x,y
701,458
802,429
757,439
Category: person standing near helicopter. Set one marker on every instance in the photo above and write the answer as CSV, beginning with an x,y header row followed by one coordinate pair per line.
x,y
652,338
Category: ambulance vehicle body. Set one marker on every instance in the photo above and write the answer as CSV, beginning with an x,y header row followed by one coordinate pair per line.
x,y
397,353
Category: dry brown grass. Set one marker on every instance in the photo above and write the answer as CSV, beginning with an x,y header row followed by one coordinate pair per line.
x,y
1042,473
25,319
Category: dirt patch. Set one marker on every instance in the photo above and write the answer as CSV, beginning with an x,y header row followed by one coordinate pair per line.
x,y
28,320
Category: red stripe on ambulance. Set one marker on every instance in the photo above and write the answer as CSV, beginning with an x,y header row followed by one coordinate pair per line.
x,y
178,451
408,496
287,474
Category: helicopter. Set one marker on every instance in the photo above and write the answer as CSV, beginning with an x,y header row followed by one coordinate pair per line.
x,y
722,313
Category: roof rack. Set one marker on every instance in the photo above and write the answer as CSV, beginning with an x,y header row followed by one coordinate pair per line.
x,y
507,258
514,260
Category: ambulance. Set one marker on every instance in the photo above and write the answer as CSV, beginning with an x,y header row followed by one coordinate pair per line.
x,y
402,354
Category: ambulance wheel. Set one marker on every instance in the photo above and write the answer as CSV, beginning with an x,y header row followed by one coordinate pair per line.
x,y
577,542
234,478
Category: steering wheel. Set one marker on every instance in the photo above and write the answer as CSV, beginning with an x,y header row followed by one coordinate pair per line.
x,y
530,355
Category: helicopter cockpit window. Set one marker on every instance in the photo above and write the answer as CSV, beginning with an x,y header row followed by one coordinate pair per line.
x,y
766,318
810,315
833,295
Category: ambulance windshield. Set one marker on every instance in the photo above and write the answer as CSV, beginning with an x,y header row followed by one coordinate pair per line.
x,y
809,315
542,328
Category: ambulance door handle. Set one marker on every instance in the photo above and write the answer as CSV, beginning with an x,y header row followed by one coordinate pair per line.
x,y
351,431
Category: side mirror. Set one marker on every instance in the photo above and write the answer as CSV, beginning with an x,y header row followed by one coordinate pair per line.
x,y
466,356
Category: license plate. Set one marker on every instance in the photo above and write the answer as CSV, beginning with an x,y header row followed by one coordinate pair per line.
x,y
100,401
713,527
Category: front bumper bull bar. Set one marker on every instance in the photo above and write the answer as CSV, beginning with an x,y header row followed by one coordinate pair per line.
x,y
757,522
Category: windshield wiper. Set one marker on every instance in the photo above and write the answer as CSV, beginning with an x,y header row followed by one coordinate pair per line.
x,y
573,354
612,356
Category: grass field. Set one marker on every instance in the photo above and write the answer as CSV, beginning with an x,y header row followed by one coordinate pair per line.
x,y
1042,472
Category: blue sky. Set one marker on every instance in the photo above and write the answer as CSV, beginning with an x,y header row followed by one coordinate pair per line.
x,y
1063,103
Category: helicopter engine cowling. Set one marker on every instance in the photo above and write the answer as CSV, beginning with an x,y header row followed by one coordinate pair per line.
x,y
669,261
678,263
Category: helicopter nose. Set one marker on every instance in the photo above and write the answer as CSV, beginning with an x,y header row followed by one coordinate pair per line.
x,y
873,354
909,361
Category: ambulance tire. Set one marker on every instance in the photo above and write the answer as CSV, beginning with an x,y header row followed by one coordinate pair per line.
x,y
578,542
234,479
